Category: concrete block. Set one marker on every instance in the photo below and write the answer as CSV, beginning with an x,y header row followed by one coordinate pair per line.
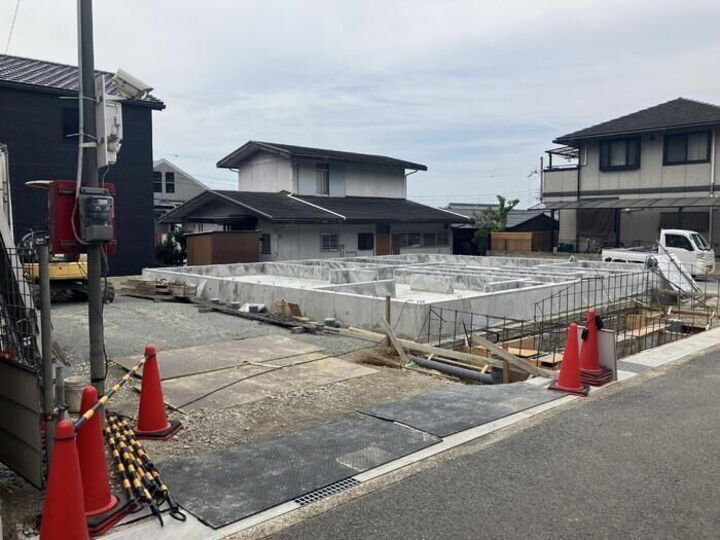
x,y
432,284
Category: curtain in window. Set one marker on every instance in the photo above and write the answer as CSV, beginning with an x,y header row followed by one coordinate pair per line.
x,y
697,147
618,157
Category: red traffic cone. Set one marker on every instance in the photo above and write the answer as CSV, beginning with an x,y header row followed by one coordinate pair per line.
x,y
591,372
589,358
152,422
569,379
102,508
63,513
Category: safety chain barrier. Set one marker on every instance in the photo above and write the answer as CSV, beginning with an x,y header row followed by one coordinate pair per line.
x,y
140,478
87,415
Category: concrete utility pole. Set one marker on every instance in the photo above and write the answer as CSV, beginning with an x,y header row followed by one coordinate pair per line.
x,y
90,178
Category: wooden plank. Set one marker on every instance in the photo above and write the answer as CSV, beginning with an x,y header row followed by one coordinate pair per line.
x,y
519,363
395,343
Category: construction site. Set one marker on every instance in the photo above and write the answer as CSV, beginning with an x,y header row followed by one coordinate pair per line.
x,y
330,373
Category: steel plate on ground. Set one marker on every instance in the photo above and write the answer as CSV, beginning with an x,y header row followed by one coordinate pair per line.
x,y
226,486
226,354
444,412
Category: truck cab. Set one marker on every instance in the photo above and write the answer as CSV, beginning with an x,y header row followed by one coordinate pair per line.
x,y
694,252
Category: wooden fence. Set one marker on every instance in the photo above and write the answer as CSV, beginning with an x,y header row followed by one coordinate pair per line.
x,y
223,247
521,241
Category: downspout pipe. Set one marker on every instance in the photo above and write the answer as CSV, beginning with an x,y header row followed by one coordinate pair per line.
x,y
712,182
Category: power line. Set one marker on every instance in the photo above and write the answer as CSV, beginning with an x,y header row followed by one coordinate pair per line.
x,y
12,26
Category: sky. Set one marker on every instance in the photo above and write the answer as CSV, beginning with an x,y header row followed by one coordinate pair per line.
x,y
474,89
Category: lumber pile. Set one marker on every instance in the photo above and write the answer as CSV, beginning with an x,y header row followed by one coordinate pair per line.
x,y
157,289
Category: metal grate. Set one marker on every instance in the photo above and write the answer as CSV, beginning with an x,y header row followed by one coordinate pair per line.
x,y
18,319
327,491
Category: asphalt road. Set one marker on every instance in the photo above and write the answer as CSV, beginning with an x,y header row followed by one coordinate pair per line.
x,y
638,463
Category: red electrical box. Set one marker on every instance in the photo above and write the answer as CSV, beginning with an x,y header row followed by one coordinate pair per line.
x,y
61,203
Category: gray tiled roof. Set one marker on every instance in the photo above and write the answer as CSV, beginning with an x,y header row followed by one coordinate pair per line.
x,y
676,114
304,152
282,207
27,72
370,209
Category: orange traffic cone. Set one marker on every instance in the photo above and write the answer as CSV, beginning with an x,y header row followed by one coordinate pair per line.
x,y
152,422
569,378
102,508
591,372
63,513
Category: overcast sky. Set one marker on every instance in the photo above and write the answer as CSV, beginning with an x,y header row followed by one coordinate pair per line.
x,y
476,90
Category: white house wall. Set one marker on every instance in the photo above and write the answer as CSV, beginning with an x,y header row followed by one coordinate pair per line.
x,y
293,242
267,172
375,181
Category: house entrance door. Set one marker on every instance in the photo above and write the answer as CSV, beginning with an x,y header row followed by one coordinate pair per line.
x,y
383,245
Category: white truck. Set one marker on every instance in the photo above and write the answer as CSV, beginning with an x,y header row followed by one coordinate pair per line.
x,y
690,248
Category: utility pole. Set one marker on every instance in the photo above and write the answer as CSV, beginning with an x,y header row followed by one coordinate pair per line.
x,y
88,140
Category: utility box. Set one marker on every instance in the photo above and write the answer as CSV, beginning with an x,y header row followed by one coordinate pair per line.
x,y
64,223
96,214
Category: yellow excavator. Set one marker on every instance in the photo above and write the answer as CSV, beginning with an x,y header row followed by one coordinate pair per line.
x,y
68,273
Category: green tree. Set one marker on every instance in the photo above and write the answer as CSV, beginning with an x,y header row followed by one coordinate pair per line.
x,y
493,219
171,251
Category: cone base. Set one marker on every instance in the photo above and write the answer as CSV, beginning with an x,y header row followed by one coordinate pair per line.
x,y
107,508
582,391
596,379
99,524
160,435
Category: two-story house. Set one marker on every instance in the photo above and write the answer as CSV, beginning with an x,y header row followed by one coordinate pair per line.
x,y
620,181
171,187
312,203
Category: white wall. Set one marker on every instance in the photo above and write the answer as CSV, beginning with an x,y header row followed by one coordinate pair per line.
x,y
353,180
375,181
292,242
267,172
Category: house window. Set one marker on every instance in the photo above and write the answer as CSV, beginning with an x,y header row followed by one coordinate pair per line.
x,y
323,179
366,241
70,124
686,148
157,182
429,239
414,240
677,241
400,240
329,242
265,244
169,182
620,154
442,238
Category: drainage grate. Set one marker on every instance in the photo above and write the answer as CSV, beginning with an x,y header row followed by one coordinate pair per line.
x,y
632,366
324,492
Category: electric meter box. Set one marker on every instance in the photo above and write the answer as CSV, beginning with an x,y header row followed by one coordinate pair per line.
x,y
96,214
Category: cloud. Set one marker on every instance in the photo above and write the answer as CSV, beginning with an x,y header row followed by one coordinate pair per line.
x,y
474,89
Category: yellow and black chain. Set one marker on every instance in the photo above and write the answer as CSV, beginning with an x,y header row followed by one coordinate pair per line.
x,y
147,472
125,464
87,415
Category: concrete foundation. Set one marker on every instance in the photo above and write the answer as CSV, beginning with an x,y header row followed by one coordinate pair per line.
x,y
353,290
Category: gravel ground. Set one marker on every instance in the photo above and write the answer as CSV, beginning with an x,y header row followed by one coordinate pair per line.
x,y
131,323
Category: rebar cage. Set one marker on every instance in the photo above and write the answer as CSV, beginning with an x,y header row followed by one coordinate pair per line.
x,y
638,306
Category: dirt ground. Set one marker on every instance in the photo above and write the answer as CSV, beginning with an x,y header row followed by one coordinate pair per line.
x,y
131,323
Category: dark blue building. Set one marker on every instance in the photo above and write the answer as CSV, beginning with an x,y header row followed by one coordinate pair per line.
x,y
39,126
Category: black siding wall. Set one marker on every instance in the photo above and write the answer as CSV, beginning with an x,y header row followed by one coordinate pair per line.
x,y
31,124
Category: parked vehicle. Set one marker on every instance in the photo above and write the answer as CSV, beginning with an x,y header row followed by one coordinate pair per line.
x,y
692,250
